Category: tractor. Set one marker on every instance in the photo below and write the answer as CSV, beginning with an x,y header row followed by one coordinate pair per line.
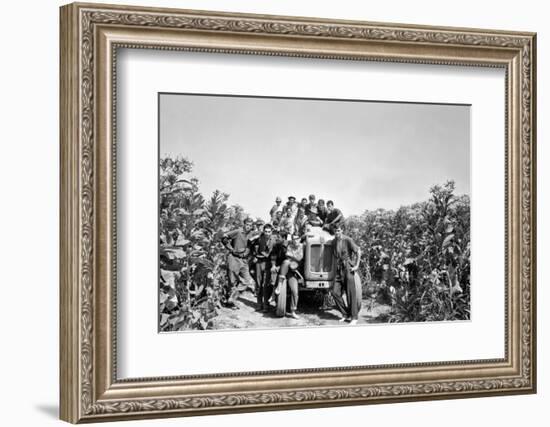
x,y
317,271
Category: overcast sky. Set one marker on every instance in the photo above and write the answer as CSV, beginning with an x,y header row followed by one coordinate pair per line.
x,y
363,155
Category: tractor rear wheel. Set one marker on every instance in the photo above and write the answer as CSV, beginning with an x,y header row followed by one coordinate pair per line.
x,y
358,292
280,311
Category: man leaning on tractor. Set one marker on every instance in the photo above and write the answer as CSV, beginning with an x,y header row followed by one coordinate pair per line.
x,y
344,247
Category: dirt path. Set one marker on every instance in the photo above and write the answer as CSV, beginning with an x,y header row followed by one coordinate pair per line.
x,y
308,309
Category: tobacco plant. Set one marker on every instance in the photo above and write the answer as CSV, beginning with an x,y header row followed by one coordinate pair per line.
x,y
192,269
417,258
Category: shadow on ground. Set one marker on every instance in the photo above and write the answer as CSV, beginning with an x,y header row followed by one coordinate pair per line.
x,y
50,410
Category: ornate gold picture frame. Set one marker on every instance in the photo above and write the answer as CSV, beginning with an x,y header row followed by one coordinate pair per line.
x,y
90,37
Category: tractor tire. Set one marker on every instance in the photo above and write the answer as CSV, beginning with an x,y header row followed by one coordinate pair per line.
x,y
358,292
280,310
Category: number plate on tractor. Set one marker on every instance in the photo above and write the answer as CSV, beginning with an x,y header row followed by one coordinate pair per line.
x,y
319,285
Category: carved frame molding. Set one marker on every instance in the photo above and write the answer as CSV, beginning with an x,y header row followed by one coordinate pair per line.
x,y
90,35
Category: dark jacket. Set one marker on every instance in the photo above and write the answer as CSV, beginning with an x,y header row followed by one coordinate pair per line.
x,y
263,246
343,251
278,253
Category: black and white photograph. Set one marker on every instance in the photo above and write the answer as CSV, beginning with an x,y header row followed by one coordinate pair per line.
x,y
299,212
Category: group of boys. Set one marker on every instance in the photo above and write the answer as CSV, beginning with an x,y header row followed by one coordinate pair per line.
x,y
271,250
293,216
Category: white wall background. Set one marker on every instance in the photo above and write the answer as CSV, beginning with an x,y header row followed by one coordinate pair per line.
x,y
29,170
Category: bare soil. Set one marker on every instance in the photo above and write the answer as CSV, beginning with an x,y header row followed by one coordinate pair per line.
x,y
309,311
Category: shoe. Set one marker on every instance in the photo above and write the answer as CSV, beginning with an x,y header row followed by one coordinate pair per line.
x,y
353,322
344,319
293,315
